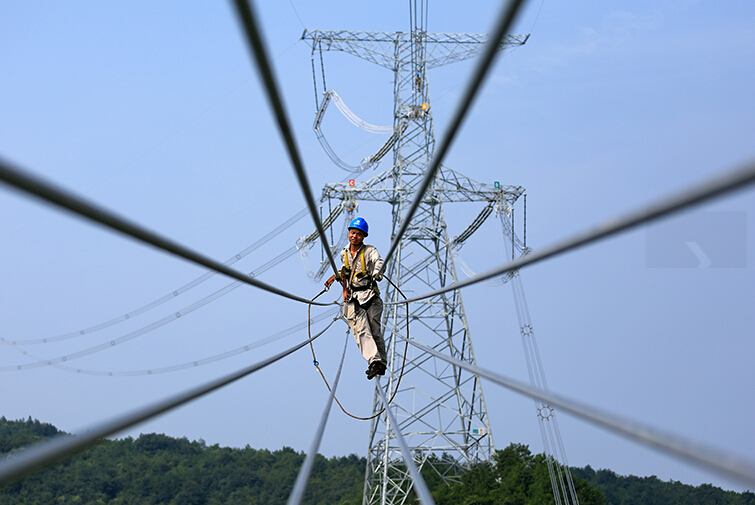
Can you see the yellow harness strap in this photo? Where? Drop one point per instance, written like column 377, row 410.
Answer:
column 346, row 262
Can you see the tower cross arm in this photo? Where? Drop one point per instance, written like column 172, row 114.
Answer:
column 381, row 47
column 363, row 192
column 449, row 186
column 445, row 48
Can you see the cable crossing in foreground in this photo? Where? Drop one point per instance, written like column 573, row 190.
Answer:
column 302, row 478
column 303, row 242
column 43, row 454
column 47, row 191
column 419, row 483
column 724, row 464
column 248, row 20
column 141, row 331
column 718, row 186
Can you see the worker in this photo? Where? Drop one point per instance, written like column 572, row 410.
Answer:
column 359, row 276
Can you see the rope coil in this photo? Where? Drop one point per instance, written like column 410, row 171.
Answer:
column 317, row 363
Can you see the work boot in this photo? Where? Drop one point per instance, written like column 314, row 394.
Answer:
column 376, row 368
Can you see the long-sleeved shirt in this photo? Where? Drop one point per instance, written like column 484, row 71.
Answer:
column 360, row 277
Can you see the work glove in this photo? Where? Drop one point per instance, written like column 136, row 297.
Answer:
column 330, row 281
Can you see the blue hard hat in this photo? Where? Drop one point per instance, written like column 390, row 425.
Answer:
column 360, row 224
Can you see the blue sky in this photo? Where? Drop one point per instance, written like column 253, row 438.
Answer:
column 154, row 110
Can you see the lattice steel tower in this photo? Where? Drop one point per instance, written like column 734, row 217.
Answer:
column 440, row 408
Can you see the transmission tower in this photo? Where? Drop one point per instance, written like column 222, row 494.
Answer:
column 440, row 408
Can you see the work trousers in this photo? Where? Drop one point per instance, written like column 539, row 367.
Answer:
column 365, row 325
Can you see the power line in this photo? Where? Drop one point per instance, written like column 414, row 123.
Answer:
column 170, row 296
column 297, row 14
column 245, row 11
column 560, row 474
column 145, row 329
column 722, row 463
column 41, row 362
column 173, row 294
column 419, row 483
column 306, row 469
column 305, row 187
column 43, row 454
column 57, row 363
column 44, row 190
column 505, row 20
column 716, row 187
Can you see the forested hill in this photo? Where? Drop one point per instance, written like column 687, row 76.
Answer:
column 633, row 490
column 157, row 469
column 15, row 434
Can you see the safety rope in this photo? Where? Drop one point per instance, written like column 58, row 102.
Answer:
column 403, row 364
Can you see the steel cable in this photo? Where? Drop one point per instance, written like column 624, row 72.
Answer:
column 45, row 453
column 718, row 186
column 186, row 287
column 169, row 296
column 141, row 331
column 306, row 469
column 44, row 190
column 419, row 483
column 601, row 233
column 724, row 464
column 248, row 20
column 57, row 363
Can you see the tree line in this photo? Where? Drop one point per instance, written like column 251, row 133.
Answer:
column 157, row 469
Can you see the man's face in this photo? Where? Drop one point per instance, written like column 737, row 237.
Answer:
column 356, row 237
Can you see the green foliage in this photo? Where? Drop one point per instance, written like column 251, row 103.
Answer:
column 515, row 478
column 156, row 469
column 630, row 490
column 17, row 434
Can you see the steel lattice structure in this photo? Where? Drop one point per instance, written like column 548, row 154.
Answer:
column 440, row 408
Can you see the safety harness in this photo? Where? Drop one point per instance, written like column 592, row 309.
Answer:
column 353, row 272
